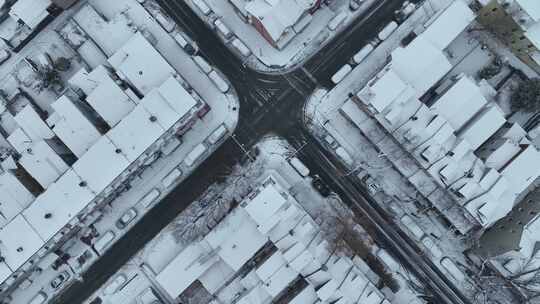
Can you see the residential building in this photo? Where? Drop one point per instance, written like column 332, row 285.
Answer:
column 517, row 24
column 268, row 250
column 59, row 169
column 278, row 21
column 452, row 131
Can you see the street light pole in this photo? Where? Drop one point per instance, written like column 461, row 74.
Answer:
column 246, row 152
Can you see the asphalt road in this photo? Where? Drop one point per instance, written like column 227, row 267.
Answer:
column 272, row 103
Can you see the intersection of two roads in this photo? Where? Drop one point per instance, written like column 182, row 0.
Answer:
column 272, row 103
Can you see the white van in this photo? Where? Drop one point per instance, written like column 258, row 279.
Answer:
column 387, row 30
column 223, row 29
column 195, row 154
column 40, row 298
column 337, row 21
column 150, row 198
column 220, row 83
column 241, row 47
column 217, row 134
column 202, row 64
column 170, row 178
column 104, row 241
column 339, row 75
column 362, row 54
column 299, row 166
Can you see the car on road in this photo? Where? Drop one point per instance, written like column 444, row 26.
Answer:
column 116, row 284
column 60, row 279
column 321, row 186
column 126, row 218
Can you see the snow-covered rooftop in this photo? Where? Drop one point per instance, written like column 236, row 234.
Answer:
column 141, row 64
column 18, row 242
column 42, row 162
column 236, row 239
column 15, row 197
column 382, row 92
column 54, row 208
column 135, row 133
column 420, row 64
column 189, row 265
column 482, row 126
column 101, row 164
column 32, row 124
column 460, row 103
column 72, row 126
column 452, row 21
column 265, row 204
column 103, row 94
column 30, row 12
column 519, row 171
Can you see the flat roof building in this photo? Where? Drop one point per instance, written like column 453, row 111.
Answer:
column 139, row 63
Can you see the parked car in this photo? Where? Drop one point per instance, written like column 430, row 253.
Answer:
column 116, row 284
column 321, row 186
column 331, row 141
column 150, row 198
column 341, row 73
column 104, row 241
column 299, row 166
column 39, row 298
column 186, row 43
column 126, row 218
column 165, row 21
column 60, row 279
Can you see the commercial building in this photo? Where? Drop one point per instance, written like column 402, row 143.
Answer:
column 59, row 169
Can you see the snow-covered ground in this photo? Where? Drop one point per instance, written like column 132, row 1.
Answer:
column 271, row 158
column 263, row 56
column 223, row 112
